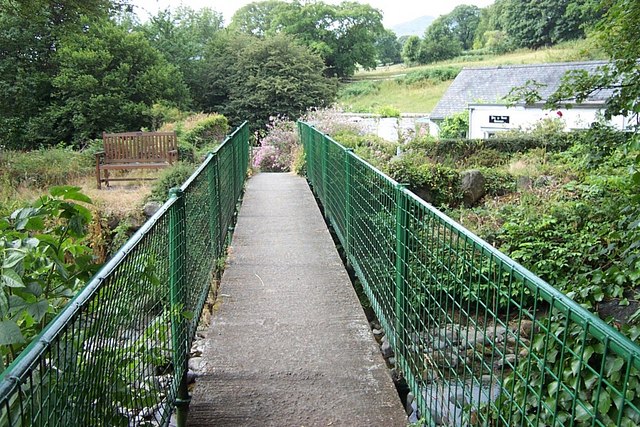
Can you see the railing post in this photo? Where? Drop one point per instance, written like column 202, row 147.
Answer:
column 214, row 201
column 177, row 302
column 402, row 222
column 348, row 179
column 324, row 150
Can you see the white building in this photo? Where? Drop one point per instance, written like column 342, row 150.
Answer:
column 482, row 91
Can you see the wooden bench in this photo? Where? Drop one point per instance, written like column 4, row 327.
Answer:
column 135, row 150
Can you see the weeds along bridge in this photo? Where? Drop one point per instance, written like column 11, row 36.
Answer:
column 478, row 339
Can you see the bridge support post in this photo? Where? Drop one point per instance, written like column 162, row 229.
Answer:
column 177, row 303
column 215, row 224
column 400, row 294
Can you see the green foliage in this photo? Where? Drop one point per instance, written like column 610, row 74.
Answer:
column 343, row 35
column 463, row 21
column 254, row 79
column 42, row 168
column 44, row 261
column 455, row 126
column 388, row 111
column 439, row 42
column 376, row 150
column 433, row 182
column 411, row 50
column 430, row 75
column 209, row 131
column 171, row 177
column 389, row 49
column 359, row 88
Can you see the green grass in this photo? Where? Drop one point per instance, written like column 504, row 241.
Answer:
column 381, row 87
column 408, row 99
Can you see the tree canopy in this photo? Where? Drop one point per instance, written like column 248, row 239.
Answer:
column 343, row 35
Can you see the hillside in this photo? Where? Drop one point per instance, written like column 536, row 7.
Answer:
column 415, row 27
column 402, row 88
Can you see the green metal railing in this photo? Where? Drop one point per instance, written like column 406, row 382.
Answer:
column 117, row 354
column 479, row 339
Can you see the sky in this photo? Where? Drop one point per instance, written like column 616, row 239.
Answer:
column 395, row 11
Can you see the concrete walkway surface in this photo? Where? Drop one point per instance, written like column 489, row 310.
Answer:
column 289, row 344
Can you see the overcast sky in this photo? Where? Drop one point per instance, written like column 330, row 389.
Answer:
column 395, row 11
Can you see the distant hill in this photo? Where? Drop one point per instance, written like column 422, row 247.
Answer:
column 414, row 27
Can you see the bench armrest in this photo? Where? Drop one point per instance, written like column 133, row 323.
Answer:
column 98, row 155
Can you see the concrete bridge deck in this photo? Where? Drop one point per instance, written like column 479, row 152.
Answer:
column 289, row 344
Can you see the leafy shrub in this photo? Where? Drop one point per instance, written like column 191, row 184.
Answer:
column 276, row 151
column 388, row 111
column 186, row 152
column 208, row 131
column 331, row 121
column 43, row 168
column 171, row 177
column 361, row 88
column 498, row 183
column 374, row 149
column 45, row 261
column 431, row 75
column 455, row 126
column 432, row 182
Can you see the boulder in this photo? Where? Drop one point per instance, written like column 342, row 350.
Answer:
column 473, row 187
column 150, row 208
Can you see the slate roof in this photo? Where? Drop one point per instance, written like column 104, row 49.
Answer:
column 490, row 85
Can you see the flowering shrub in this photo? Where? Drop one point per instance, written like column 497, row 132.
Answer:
column 276, row 151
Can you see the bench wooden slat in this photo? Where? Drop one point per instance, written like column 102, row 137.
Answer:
column 135, row 150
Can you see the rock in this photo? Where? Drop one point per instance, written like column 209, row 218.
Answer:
column 150, row 208
column 392, row 361
column 378, row 333
column 473, row 186
column 386, row 350
column 196, row 363
column 191, row 377
column 524, row 183
column 408, row 407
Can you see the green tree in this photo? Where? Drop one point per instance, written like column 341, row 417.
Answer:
column 30, row 36
column 182, row 36
column 411, row 50
column 463, row 22
column 389, row 48
column 256, row 78
column 343, row 35
column 491, row 20
column 440, row 42
column 538, row 23
column 257, row 18
column 108, row 79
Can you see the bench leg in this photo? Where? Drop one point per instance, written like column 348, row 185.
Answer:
column 99, row 182
column 106, row 177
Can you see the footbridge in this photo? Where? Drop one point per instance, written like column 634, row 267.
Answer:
column 472, row 337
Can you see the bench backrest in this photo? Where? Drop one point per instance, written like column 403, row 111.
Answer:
column 139, row 146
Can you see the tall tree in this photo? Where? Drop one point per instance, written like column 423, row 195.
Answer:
column 538, row 23
column 411, row 50
column 30, row 37
column 463, row 22
column 254, row 78
column 440, row 42
column 343, row 35
column 182, row 36
column 257, row 18
column 108, row 78
column 389, row 48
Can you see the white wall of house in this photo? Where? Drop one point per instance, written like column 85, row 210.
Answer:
column 486, row 120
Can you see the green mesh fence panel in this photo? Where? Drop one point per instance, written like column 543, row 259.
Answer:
column 479, row 339
column 117, row 354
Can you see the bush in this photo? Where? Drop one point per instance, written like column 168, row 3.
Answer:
column 430, row 75
column 455, row 126
column 361, row 88
column 498, row 183
column 432, row 182
column 389, row 111
column 374, row 149
column 276, row 151
column 208, row 131
column 171, row 177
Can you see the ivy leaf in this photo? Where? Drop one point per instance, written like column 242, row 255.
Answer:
column 604, row 404
column 4, row 304
column 11, row 279
column 10, row 333
column 15, row 256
